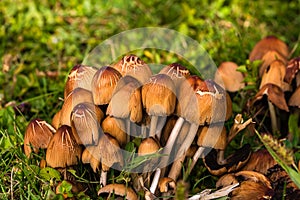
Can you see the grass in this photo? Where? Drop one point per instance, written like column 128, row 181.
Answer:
column 42, row 40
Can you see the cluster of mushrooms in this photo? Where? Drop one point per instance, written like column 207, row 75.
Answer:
column 177, row 116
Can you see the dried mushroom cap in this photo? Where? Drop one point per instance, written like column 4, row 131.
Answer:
column 194, row 93
column 126, row 100
column 228, row 76
column 270, row 57
column 63, row 150
column 38, row 135
column 260, row 161
column 78, row 95
column 116, row 128
column 165, row 184
column 234, row 162
column 269, row 43
column 119, row 189
column 275, row 96
column 85, row 123
column 158, row 95
column 213, row 136
column 292, row 69
column 134, row 66
column 275, row 74
column 176, row 72
column 295, row 98
column 79, row 77
column 103, row 84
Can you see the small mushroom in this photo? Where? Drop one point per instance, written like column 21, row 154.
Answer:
column 119, row 189
column 158, row 96
column 103, row 84
column 37, row 135
column 166, row 184
column 79, row 77
column 63, row 151
column 228, row 76
column 134, row 66
column 85, row 123
column 116, row 128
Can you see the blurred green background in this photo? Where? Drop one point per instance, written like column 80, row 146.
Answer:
column 42, row 40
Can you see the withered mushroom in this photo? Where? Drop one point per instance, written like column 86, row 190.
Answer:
column 119, row 189
column 292, row 69
column 63, row 151
column 37, row 135
column 158, row 97
column 103, row 84
column 295, row 98
column 85, row 123
column 228, row 76
column 134, row 66
column 79, row 77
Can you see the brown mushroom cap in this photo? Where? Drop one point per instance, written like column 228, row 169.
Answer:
column 63, row 150
column 228, row 76
column 116, row 128
column 134, row 66
column 38, row 134
column 270, row 57
column 85, row 123
column 203, row 102
column 87, row 157
column 158, row 95
column 148, row 146
column 213, row 136
column 119, row 189
column 56, row 120
column 78, row 95
column 79, row 77
column 126, row 100
column 292, row 69
column 165, row 184
column 103, row 84
column 295, row 98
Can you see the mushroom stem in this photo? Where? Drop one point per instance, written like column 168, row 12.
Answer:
column 196, row 156
column 182, row 150
column 160, row 125
column 273, row 117
column 103, row 178
column 153, row 124
column 155, row 180
column 128, row 130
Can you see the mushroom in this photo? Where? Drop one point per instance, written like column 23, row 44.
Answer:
column 269, row 43
column 166, row 184
column 227, row 75
column 56, row 120
column 79, row 77
column 78, row 95
column 103, row 84
column 85, row 123
column 292, row 69
column 37, row 135
column 134, row 66
column 63, row 151
column 116, row 128
column 295, row 98
column 158, row 97
column 126, row 101
column 119, row 189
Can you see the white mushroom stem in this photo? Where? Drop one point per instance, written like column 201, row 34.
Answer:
column 273, row 117
column 128, row 130
column 196, row 156
column 103, row 178
column 155, row 180
column 153, row 124
column 181, row 154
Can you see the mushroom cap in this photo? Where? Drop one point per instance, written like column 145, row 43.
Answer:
column 274, row 74
column 78, row 95
column 292, row 69
column 116, row 128
column 266, row 44
column 176, row 72
column 228, row 76
column 85, row 123
column 126, row 100
column 63, row 150
column 134, row 66
column 295, row 98
column 80, row 76
column 158, row 95
column 148, row 146
column 165, row 184
column 268, row 58
column 119, row 189
column 87, row 157
column 213, row 136
column 56, row 120
column 275, row 95
column 103, row 84
column 203, row 102
column 38, row 134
